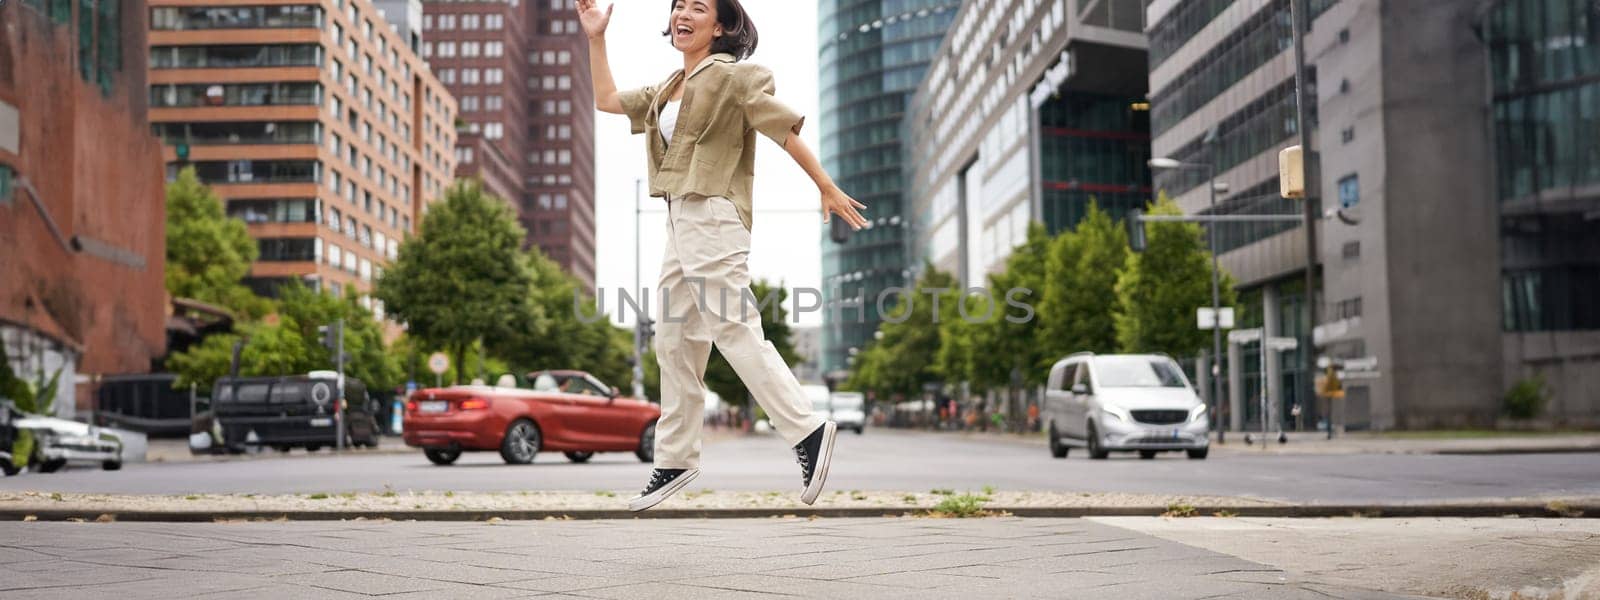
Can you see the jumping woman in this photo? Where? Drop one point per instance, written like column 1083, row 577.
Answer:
column 700, row 125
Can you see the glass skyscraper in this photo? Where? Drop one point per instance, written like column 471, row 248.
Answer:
column 872, row 56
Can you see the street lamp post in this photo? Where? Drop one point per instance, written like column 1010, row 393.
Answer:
column 638, row 327
column 1216, row 288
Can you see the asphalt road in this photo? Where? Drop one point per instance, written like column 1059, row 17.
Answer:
column 878, row 460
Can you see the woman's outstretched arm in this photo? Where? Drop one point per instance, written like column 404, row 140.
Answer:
column 834, row 200
column 594, row 26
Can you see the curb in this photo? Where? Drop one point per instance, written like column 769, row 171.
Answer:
column 1525, row 510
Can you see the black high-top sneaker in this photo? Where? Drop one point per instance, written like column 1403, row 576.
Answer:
column 814, row 453
column 663, row 484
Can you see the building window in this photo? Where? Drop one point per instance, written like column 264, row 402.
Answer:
column 1349, row 191
column 471, row 22
column 494, row 22
column 288, row 249
column 243, row 17
column 494, row 49
column 493, row 101
column 243, row 94
column 494, row 131
column 471, row 49
column 470, row 76
column 493, row 76
column 469, row 104
column 447, row 22
column 447, row 49
column 235, row 56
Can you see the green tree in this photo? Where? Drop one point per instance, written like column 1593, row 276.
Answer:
column 1078, row 310
column 208, row 253
column 906, row 356
column 368, row 360
column 1161, row 287
column 287, row 343
column 269, row 349
column 464, row 276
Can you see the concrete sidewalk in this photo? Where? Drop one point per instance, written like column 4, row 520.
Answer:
column 845, row 558
column 822, row 558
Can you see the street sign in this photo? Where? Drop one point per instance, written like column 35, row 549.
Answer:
column 1367, row 363
column 1347, row 375
column 438, row 363
column 1283, row 344
column 1207, row 317
column 1244, row 336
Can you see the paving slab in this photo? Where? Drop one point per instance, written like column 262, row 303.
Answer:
column 725, row 558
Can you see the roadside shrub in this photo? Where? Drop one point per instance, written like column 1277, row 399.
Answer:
column 1526, row 398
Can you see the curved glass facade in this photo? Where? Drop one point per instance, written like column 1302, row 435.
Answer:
column 872, row 56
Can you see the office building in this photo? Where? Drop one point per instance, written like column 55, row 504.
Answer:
column 520, row 75
column 82, row 206
column 316, row 122
column 871, row 57
column 1031, row 110
column 1454, row 143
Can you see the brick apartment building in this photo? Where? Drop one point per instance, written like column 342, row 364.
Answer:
column 315, row 120
column 519, row 72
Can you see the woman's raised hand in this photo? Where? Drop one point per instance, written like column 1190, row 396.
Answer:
column 594, row 20
column 836, row 202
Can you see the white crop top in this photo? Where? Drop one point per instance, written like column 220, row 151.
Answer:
column 669, row 120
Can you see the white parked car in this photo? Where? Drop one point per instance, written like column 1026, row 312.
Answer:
column 59, row 442
column 1123, row 402
column 848, row 409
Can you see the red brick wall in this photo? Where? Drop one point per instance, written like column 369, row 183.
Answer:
column 98, row 171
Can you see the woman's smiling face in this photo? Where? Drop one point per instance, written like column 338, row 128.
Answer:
column 694, row 26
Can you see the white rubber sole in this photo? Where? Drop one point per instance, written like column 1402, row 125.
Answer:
column 639, row 503
column 830, row 431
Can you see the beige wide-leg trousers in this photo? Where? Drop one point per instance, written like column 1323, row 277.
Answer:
column 703, row 300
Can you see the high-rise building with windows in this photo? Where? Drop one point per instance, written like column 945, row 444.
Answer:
column 1454, row 146
column 1031, row 110
column 82, row 212
column 316, row 122
column 872, row 54
column 519, row 72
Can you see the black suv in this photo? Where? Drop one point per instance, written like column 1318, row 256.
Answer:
column 286, row 412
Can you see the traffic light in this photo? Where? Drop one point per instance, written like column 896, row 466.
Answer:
column 329, row 334
column 1136, row 237
column 647, row 330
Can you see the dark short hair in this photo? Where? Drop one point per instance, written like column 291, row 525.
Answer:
column 739, row 35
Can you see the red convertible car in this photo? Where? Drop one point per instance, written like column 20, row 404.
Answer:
column 565, row 411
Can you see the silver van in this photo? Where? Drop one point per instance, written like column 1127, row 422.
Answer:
column 1123, row 403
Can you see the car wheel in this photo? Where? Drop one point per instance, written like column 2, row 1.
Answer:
column 51, row 466
column 283, row 448
column 9, row 468
column 861, row 430
column 111, row 465
column 313, row 448
column 1147, row 454
column 1095, row 451
column 579, row 457
column 521, row 442
column 647, row 445
column 442, row 457
column 1057, row 449
column 1199, row 454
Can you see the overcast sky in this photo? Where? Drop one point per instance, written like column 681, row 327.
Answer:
column 785, row 244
